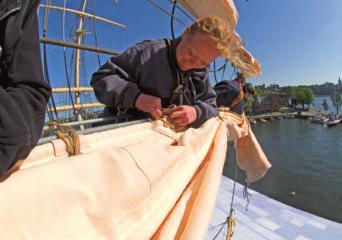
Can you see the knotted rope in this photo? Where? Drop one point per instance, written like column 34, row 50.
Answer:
column 69, row 136
column 168, row 122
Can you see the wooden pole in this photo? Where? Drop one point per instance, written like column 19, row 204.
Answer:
column 77, row 46
column 83, row 14
column 78, row 40
column 66, row 90
column 77, row 107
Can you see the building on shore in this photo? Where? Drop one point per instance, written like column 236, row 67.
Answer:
column 269, row 103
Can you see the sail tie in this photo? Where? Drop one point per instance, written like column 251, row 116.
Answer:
column 69, row 136
column 168, row 122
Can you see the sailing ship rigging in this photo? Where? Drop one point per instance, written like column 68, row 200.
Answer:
column 82, row 52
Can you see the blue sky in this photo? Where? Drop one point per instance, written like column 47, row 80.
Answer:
column 296, row 41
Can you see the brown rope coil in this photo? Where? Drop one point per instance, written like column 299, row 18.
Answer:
column 69, row 137
column 168, row 122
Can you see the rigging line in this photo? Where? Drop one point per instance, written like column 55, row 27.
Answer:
column 219, row 69
column 46, row 70
column 231, row 76
column 95, row 35
column 46, row 76
column 215, row 77
column 65, row 60
column 166, row 12
column 182, row 10
column 224, row 70
column 172, row 19
column 231, row 211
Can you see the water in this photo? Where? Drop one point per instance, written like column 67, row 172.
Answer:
column 306, row 159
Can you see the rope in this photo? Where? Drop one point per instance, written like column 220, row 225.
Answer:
column 231, row 219
column 69, row 137
column 246, row 195
column 168, row 122
column 65, row 61
column 95, row 35
column 245, row 192
column 172, row 19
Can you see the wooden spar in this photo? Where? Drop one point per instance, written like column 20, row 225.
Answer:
column 84, row 14
column 79, row 37
column 78, row 40
column 66, row 90
column 78, row 46
column 77, row 107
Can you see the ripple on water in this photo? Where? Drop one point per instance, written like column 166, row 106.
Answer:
column 307, row 159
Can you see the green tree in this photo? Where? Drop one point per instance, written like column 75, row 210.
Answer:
column 287, row 93
column 259, row 91
column 308, row 96
column 325, row 105
column 248, row 104
column 303, row 95
column 336, row 100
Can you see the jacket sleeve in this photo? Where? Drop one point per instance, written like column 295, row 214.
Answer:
column 23, row 97
column 205, row 103
column 115, row 83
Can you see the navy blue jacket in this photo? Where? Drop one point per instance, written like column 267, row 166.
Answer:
column 146, row 68
column 227, row 91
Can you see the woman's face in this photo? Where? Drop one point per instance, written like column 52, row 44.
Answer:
column 196, row 51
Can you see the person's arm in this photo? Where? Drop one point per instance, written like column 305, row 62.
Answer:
column 205, row 103
column 23, row 97
column 115, row 83
column 203, row 108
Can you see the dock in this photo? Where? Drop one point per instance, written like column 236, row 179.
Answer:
column 267, row 219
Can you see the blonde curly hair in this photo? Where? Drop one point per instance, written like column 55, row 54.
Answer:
column 215, row 28
column 227, row 41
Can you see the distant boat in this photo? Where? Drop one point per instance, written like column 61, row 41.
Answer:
column 333, row 122
column 320, row 119
column 263, row 120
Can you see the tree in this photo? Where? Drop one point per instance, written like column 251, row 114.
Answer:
column 287, row 93
column 336, row 100
column 303, row 95
column 325, row 105
column 308, row 96
column 248, row 104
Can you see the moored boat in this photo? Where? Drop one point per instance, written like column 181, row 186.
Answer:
column 320, row 119
column 333, row 122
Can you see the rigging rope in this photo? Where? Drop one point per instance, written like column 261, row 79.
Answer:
column 95, row 35
column 166, row 12
column 65, row 62
column 182, row 10
column 231, row 219
column 46, row 70
column 172, row 19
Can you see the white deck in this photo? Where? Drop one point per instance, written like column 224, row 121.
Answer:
column 269, row 219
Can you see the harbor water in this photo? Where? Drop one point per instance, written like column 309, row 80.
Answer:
column 306, row 168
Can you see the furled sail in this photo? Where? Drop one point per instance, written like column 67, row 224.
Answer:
column 225, row 9
column 143, row 181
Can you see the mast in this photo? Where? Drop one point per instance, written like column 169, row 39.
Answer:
column 77, row 44
column 78, row 40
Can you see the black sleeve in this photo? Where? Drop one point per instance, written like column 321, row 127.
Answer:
column 115, row 83
column 205, row 103
column 23, row 95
